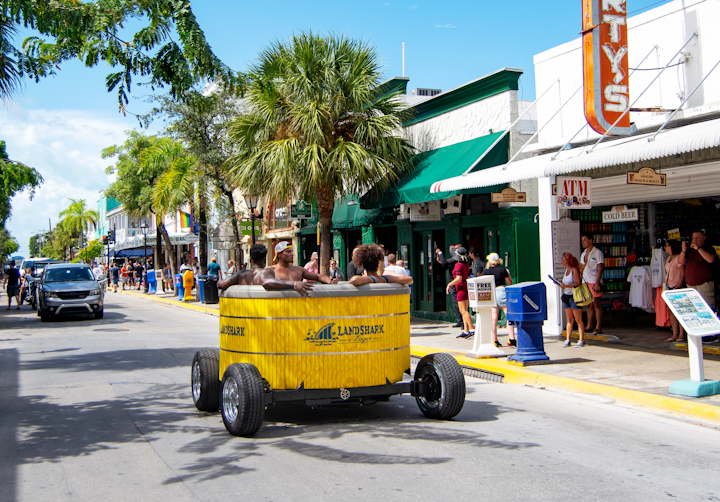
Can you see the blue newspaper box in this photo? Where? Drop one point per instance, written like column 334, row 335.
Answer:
column 201, row 287
column 179, row 287
column 527, row 309
column 152, row 281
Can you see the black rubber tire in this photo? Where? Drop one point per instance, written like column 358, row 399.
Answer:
column 243, row 400
column 446, row 393
column 44, row 317
column 205, row 384
column 99, row 314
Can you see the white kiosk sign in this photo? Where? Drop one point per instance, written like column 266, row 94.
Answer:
column 481, row 293
column 699, row 320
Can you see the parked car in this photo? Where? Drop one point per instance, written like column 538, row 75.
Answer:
column 69, row 288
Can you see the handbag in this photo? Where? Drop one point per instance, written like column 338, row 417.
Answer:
column 582, row 295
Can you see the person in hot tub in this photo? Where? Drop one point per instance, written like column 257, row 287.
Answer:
column 286, row 271
column 261, row 276
column 370, row 256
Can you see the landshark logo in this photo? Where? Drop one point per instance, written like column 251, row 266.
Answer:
column 323, row 336
column 327, row 335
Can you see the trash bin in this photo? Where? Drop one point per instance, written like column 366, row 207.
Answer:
column 179, row 286
column 211, row 289
column 202, row 279
column 152, row 282
column 527, row 309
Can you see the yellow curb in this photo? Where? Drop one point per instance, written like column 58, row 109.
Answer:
column 174, row 303
column 520, row 376
column 706, row 350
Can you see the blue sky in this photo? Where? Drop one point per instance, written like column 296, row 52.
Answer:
column 60, row 125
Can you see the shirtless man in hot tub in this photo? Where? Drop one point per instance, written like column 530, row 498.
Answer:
column 261, row 276
column 285, row 269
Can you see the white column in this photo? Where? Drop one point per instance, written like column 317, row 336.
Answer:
column 548, row 212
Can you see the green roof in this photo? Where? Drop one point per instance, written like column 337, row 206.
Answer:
column 440, row 164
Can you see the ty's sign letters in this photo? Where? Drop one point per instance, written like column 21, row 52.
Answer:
column 605, row 65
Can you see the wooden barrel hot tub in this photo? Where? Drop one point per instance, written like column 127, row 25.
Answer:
column 341, row 337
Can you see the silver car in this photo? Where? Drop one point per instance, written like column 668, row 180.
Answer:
column 69, row 288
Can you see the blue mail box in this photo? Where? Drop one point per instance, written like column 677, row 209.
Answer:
column 526, row 302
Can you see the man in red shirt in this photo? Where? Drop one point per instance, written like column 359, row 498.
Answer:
column 698, row 259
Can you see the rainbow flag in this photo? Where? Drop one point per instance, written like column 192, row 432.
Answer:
column 185, row 220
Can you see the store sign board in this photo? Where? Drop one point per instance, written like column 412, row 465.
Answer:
column 481, row 291
column 605, row 65
column 574, row 193
column 425, row 211
column 620, row 213
column 301, row 210
column 647, row 176
column 509, row 195
column 692, row 311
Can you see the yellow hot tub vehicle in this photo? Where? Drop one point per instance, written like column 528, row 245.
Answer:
column 342, row 345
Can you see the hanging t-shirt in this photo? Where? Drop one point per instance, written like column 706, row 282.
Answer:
column 591, row 260
column 657, row 267
column 641, row 295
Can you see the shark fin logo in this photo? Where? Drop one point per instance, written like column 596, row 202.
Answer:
column 323, row 336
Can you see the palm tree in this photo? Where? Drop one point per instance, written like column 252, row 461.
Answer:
column 77, row 218
column 181, row 182
column 10, row 59
column 317, row 128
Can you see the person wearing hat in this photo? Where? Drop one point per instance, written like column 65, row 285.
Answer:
column 259, row 275
column 502, row 277
column 214, row 269
column 312, row 265
column 460, row 272
column 286, row 271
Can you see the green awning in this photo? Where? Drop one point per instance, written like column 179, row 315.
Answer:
column 440, row 164
column 345, row 216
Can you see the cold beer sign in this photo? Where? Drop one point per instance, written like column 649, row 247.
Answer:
column 574, row 193
column 605, row 65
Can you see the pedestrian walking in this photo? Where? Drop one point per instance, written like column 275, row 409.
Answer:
column 124, row 277
column 12, row 285
column 502, row 278
column 231, row 268
column 449, row 266
column 674, row 279
column 592, row 264
column 573, row 313
column 115, row 276
column 460, row 272
column 167, row 278
column 138, row 269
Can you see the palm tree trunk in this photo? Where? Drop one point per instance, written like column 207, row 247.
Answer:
column 326, row 206
column 203, row 237
column 168, row 247
column 235, row 227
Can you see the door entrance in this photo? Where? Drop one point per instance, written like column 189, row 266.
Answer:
column 430, row 280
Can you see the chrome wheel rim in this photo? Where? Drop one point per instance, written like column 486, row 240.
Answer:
column 231, row 400
column 431, row 375
column 196, row 381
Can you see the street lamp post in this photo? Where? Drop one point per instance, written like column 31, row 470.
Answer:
column 251, row 201
column 144, row 228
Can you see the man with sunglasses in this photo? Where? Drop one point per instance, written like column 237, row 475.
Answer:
column 698, row 258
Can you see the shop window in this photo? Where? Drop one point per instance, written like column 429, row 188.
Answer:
column 278, row 216
column 479, row 204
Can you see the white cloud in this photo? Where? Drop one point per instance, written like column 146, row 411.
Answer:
column 64, row 146
column 449, row 25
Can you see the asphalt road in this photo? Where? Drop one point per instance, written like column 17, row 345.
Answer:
column 101, row 409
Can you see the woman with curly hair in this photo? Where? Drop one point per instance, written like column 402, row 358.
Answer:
column 370, row 256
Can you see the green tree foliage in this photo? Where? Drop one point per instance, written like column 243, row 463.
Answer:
column 91, row 251
column 200, row 122
column 77, row 218
column 136, row 178
column 8, row 244
column 58, row 244
column 317, row 128
column 34, row 245
column 14, row 178
column 92, row 32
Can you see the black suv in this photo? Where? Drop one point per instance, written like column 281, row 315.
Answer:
column 69, row 288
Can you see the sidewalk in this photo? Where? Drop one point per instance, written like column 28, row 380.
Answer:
column 630, row 368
